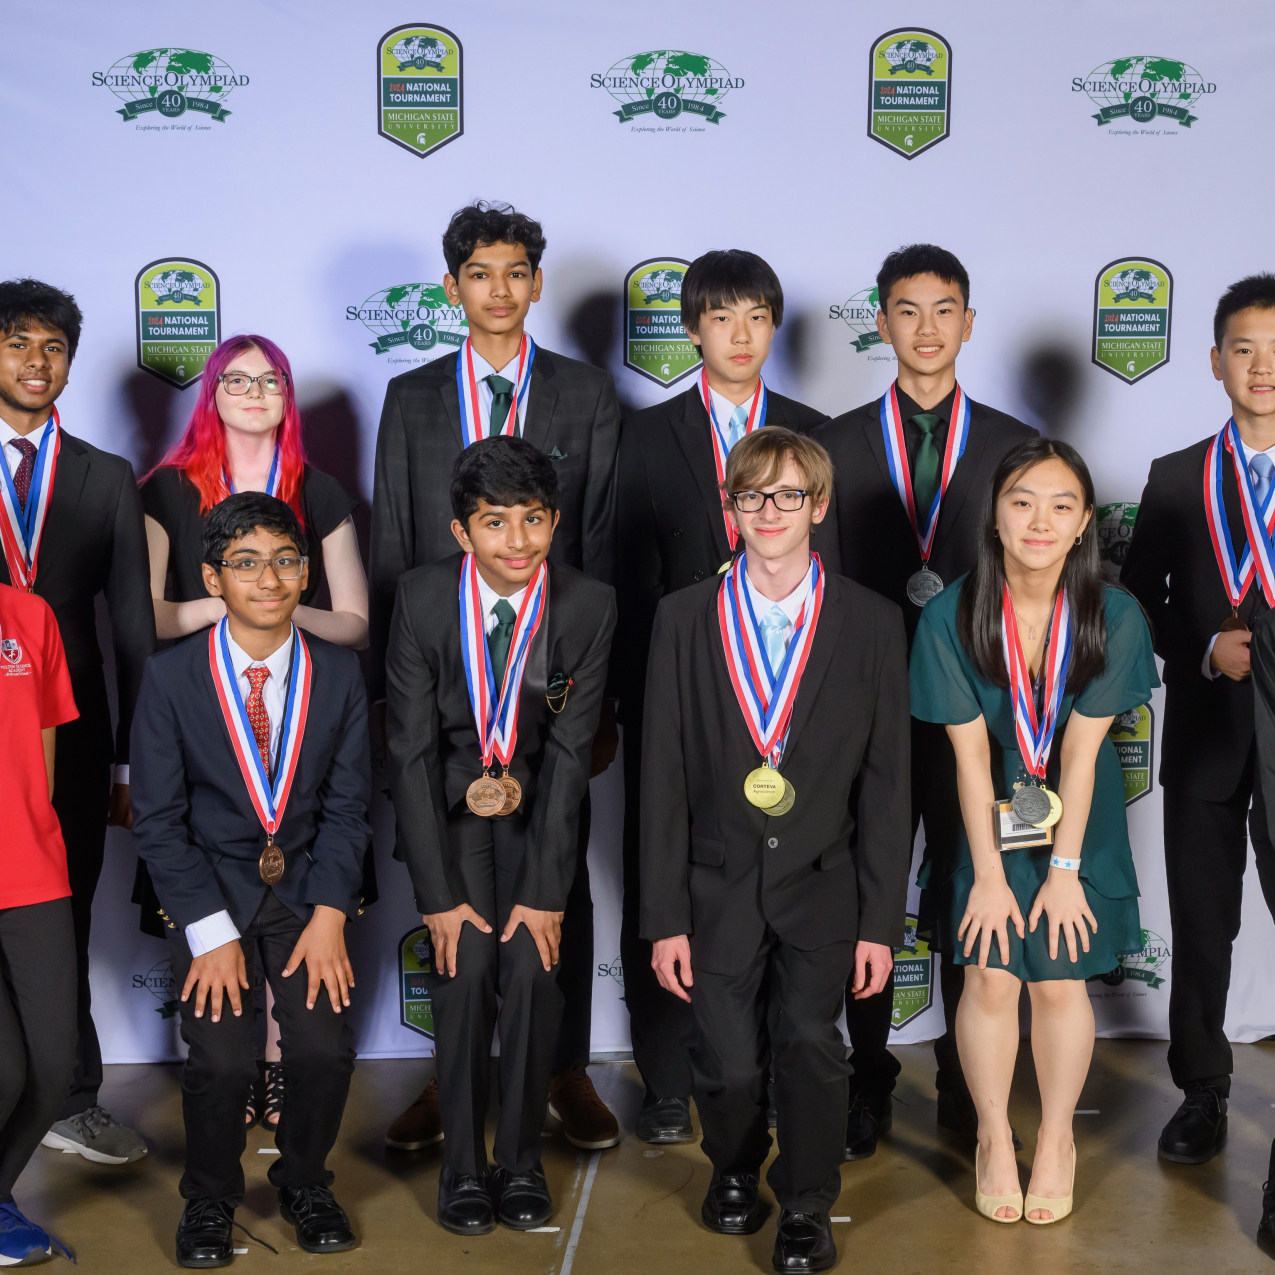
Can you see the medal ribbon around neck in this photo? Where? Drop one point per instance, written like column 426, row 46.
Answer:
column 272, row 479
column 1258, row 557
column 269, row 795
column 1035, row 737
column 496, row 709
column 21, row 529
column 896, row 452
column 473, row 424
column 721, row 439
column 765, row 695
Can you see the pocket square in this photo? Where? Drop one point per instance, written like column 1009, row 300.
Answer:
column 556, row 454
column 556, row 693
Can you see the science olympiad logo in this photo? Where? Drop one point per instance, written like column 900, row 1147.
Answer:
column 420, row 87
column 1143, row 966
column 1133, row 309
column 859, row 314
column 666, row 83
column 655, row 342
column 1142, row 89
column 411, row 317
column 178, row 318
column 171, row 82
column 909, row 90
column 1115, row 530
column 415, row 964
column 159, row 981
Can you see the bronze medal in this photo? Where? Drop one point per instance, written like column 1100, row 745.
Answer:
column 785, row 803
column 486, row 796
column 513, row 793
column 271, row 865
column 764, row 787
column 1233, row 624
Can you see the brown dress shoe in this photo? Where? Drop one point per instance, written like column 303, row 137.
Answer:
column 419, row 1126
column 587, row 1121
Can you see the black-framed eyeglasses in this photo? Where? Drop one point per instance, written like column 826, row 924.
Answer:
column 286, row 567
column 751, row 502
column 240, row 382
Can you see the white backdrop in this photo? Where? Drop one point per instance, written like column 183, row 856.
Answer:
column 305, row 213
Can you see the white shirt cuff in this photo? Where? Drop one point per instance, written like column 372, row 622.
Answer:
column 1206, row 668
column 119, row 774
column 210, row 932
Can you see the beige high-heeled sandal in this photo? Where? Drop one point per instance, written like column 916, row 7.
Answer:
column 1058, row 1207
column 988, row 1204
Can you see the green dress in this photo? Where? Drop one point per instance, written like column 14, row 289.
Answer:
column 947, row 689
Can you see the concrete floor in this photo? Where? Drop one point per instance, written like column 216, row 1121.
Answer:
column 636, row 1209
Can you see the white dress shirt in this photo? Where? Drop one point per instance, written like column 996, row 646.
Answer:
column 724, row 409
column 790, row 606
column 489, row 597
column 214, row 930
column 510, row 372
column 13, row 455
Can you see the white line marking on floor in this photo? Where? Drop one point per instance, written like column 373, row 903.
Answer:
column 1096, row 1112
column 542, row 1230
column 581, row 1209
column 267, row 1150
column 839, row 1219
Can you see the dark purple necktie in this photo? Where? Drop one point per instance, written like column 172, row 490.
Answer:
column 22, row 479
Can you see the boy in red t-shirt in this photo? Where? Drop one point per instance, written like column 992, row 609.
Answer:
column 37, row 941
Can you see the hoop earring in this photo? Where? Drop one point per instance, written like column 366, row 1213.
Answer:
column 1077, row 539
column 996, row 532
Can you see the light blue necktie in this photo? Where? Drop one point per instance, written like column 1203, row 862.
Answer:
column 738, row 423
column 1261, row 469
column 772, row 625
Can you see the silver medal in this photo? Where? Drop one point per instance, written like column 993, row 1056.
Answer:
column 923, row 585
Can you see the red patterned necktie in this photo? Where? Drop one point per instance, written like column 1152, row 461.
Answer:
column 257, row 714
column 26, row 467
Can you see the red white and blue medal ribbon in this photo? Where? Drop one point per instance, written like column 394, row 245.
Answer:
column 269, row 794
column 721, row 439
column 496, row 708
column 1258, row 557
column 272, row 479
column 1036, row 735
column 765, row 695
column 474, row 423
column 21, row 529
column 923, row 522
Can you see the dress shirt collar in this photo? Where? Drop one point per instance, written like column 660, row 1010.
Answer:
column 724, row 409
column 908, row 407
column 278, row 662
column 8, row 433
column 1250, row 452
column 790, row 606
column 489, row 597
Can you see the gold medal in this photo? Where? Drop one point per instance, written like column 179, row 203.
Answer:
column 486, row 796
column 764, row 787
column 1055, row 810
column 271, row 865
column 513, row 793
column 785, row 803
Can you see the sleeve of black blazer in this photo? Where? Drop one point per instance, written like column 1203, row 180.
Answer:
column 598, row 532
column 549, row 862
column 1262, row 648
column 1152, row 550
column 183, row 877
column 343, row 832
column 665, row 855
column 416, row 770
column 884, row 840
column 393, row 532
column 128, row 601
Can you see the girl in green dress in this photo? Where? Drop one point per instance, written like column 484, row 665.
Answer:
column 1026, row 661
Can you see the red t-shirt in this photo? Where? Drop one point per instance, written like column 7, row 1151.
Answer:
column 35, row 693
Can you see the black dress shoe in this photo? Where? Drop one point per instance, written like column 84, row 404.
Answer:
column 320, row 1222
column 804, row 1243
column 663, row 1120
column 1266, row 1227
column 464, row 1203
column 1198, row 1128
column 871, row 1115
column 731, row 1206
column 522, row 1199
column 203, row 1234
column 957, row 1115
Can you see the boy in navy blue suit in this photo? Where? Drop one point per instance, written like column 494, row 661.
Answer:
column 250, row 789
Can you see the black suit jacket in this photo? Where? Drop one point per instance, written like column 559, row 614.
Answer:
column 572, row 415
column 670, row 529
column 195, row 824
column 873, row 541
column 1172, row 570
column 95, row 542
column 434, row 753
column 836, row 866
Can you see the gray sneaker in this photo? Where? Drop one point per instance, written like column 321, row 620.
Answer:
column 96, row 1135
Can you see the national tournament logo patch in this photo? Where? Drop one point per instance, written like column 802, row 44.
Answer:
column 656, row 344
column 910, row 88
column 415, row 964
column 1133, row 307
column 1142, row 89
column 913, row 977
column 414, row 318
column 666, row 83
column 170, row 82
column 1132, row 733
column 420, row 88
column 178, row 306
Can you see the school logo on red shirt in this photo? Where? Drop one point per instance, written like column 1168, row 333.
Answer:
column 10, row 649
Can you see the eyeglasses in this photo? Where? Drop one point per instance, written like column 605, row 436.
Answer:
column 247, row 570
column 239, row 383
column 751, row 502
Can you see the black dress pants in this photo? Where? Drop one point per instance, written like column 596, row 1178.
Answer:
column 1205, row 854
column 37, row 1027
column 575, row 959
column 317, row 1047
column 779, row 1015
column 488, row 854
column 661, row 1025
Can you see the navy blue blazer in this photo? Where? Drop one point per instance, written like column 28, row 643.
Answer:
column 195, row 824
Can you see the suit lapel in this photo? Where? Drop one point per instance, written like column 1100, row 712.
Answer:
column 822, row 649
column 963, row 476
column 876, row 443
column 451, row 404
column 63, row 524
column 693, row 437
column 542, row 399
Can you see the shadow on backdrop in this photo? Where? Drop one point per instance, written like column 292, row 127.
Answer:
column 151, row 403
column 1050, row 385
column 330, row 427
column 593, row 323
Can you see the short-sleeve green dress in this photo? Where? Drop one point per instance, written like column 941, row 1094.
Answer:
column 946, row 688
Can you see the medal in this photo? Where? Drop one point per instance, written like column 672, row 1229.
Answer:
column 22, row 529
column 472, row 425
column 1033, row 803
column 496, row 708
column 721, row 445
column 1259, row 553
column 269, row 795
column 924, row 584
column 766, row 695
column 1233, row 624
column 272, row 479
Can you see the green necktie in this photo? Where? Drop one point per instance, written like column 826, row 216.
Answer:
column 501, row 400
column 499, row 638
column 925, row 473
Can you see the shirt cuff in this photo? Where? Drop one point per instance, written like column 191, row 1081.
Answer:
column 119, row 775
column 1206, row 668
column 210, row 932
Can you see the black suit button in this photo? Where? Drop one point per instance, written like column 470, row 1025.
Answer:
column 699, row 575
column 677, row 531
column 772, row 842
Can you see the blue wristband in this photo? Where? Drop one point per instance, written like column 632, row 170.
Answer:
column 1069, row 865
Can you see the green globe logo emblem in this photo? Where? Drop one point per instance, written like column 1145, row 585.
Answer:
column 176, row 286
column 1142, row 87
column 661, row 285
column 420, row 51
column 910, row 56
column 667, row 82
column 417, row 315
column 1134, row 285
